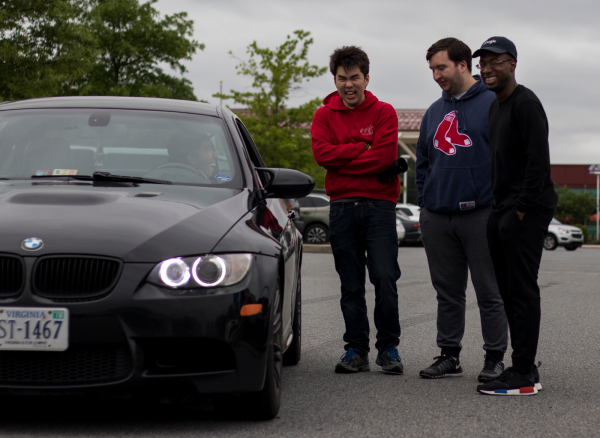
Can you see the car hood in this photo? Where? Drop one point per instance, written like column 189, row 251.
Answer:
column 134, row 222
column 571, row 228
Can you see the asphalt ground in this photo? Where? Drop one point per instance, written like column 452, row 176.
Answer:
column 319, row 403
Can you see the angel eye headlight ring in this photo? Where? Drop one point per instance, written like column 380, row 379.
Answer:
column 218, row 262
column 174, row 272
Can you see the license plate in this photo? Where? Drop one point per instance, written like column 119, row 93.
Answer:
column 34, row 328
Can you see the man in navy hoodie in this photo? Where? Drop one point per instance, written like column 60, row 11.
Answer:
column 455, row 195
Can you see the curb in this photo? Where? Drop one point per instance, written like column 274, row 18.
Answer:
column 591, row 246
column 317, row 249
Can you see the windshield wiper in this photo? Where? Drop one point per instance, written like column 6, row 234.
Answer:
column 105, row 176
column 80, row 177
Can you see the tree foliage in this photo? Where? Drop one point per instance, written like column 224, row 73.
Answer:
column 133, row 42
column 44, row 47
column 574, row 207
column 281, row 134
column 92, row 47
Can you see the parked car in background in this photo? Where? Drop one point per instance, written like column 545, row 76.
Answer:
column 400, row 231
column 567, row 236
column 314, row 210
column 412, row 230
column 411, row 210
column 294, row 205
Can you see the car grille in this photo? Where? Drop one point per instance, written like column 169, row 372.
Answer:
column 576, row 236
column 75, row 277
column 11, row 275
column 79, row 365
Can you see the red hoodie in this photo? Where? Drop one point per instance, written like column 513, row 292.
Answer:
column 338, row 136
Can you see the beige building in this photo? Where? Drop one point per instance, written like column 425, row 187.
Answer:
column 409, row 124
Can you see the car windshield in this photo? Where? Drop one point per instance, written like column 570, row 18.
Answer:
column 181, row 148
column 555, row 222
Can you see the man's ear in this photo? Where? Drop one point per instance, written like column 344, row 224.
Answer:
column 191, row 159
column 367, row 79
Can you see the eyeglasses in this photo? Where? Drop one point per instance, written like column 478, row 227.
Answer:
column 483, row 65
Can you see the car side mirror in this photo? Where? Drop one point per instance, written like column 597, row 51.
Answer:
column 286, row 183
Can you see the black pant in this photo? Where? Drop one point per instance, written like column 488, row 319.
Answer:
column 516, row 248
column 356, row 227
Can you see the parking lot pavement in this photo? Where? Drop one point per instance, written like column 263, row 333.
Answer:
column 318, row 403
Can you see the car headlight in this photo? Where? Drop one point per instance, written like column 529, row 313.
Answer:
column 202, row 271
column 174, row 272
column 562, row 230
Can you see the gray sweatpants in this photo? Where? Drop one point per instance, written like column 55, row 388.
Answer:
column 456, row 243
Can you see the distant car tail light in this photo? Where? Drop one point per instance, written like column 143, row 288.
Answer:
column 416, row 225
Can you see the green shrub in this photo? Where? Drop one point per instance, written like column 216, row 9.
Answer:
column 585, row 231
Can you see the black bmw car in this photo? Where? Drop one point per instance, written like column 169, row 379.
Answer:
column 144, row 247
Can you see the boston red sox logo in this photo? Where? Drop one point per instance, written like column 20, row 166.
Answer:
column 447, row 136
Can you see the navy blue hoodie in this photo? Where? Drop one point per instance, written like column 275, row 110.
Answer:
column 453, row 156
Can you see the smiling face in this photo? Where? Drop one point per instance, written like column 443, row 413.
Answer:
column 449, row 76
column 497, row 76
column 351, row 84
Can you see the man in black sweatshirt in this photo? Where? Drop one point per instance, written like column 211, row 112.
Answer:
column 524, row 203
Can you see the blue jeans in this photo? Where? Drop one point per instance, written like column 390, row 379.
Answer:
column 356, row 227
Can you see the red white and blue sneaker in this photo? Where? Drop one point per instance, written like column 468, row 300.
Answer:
column 510, row 382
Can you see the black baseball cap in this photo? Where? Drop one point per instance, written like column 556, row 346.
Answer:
column 497, row 44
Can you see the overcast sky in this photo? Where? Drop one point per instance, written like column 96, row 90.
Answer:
column 558, row 44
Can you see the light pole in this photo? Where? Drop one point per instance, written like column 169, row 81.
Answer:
column 406, row 157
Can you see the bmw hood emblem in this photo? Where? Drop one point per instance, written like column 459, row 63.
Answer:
column 32, row 244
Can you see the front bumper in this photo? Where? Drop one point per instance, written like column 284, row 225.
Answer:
column 142, row 336
column 573, row 240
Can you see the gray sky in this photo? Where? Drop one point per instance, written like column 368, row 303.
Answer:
column 558, row 43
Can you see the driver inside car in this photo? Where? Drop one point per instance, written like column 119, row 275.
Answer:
column 191, row 160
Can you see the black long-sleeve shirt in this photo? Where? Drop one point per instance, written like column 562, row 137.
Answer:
column 521, row 155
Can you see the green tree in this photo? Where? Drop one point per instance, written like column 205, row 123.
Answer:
column 44, row 47
column 133, row 43
column 281, row 134
column 574, row 207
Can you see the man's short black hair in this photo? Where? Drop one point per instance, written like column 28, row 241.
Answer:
column 457, row 51
column 349, row 56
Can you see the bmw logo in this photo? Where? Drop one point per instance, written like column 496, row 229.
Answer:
column 32, row 244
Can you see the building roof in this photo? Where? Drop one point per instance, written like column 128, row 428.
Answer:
column 408, row 119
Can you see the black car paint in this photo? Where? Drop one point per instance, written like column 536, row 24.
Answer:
column 111, row 219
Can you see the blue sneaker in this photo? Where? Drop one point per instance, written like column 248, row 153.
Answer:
column 389, row 361
column 351, row 362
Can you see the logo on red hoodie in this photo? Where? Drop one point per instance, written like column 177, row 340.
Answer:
column 447, row 135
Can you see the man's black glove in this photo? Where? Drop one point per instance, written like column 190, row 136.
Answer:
column 396, row 168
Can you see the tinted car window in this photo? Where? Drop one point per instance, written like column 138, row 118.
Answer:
column 406, row 211
column 320, row 202
column 182, row 148
column 306, row 202
column 401, row 215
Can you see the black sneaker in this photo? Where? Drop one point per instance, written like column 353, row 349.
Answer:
column 510, row 382
column 491, row 369
column 389, row 361
column 351, row 362
column 444, row 366
column 536, row 377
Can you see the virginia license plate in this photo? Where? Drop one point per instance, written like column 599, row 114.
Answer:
column 34, row 328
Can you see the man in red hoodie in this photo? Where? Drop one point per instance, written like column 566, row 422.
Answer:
column 355, row 137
